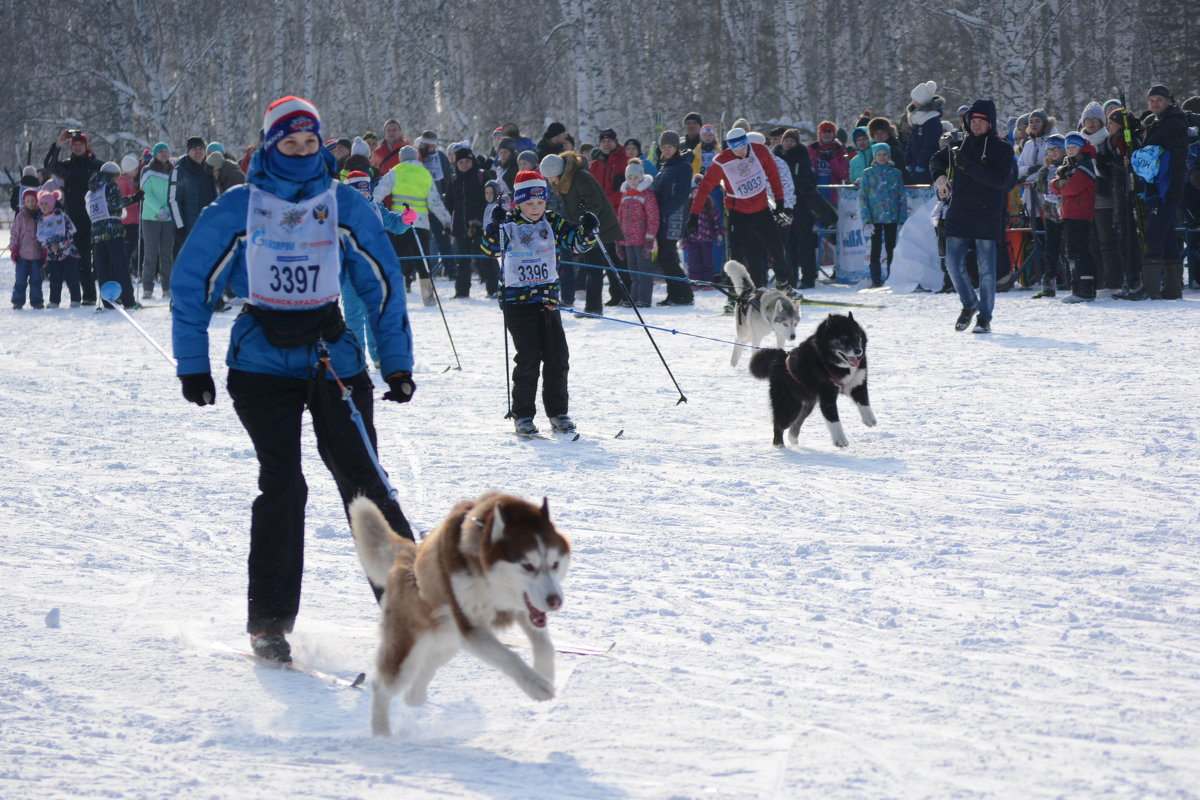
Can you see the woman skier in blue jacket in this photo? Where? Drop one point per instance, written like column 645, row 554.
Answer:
column 283, row 241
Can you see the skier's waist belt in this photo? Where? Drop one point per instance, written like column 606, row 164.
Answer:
column 527, row 294
column 288, row 329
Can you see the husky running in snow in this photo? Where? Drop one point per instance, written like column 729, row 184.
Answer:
column 831, row 362
column 493, row 561
column 759, row 312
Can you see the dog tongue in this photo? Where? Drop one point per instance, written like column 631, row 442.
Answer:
column 851, row 360
column 537, row 618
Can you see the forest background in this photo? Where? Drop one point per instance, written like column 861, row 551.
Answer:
column 133, row 72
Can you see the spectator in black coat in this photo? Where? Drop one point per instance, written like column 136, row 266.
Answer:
column 76, row 171
column 192, row 188
column 466, row 203
column 801, row 240
column 1162, row 268
column 974, row 178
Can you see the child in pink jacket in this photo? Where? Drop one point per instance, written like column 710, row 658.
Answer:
column 26, row 252
column 638, row 215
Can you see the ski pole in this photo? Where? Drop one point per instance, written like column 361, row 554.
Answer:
column 111, row 291
column 629, row 298
column 357, row 418
column 504, row 314
column 433, row 287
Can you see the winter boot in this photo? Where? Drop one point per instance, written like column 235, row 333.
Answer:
column 271, row 647
column 526, row 428
column 562, row 424
column 426, row 287
column 1172, row 278
column 1048, row 288
column 1152, row 275
column 964, row 319
column 982, row 325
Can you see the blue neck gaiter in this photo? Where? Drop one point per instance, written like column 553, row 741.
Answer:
column 296, row 169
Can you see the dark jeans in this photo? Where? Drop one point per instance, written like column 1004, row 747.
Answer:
column 1106, row 250
column 883, row 231
column 112, row 266
column 754, row 237
column 405, row 246
column 133, row 250
column 1054, row 248
column 271, row 408
column 802, row 242
column 538, row 342
column 1083, row 268
column 679, row 292
column 83, row 243
column 1161, row 241
column 593, row 278
column 485, row 267
column 28, row 274
column 64, row 269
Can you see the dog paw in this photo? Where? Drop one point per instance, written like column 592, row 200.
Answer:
column 837, row 434
column 868, row 416
column 538, row 688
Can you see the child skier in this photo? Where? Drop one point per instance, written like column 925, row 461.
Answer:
column 104, row 207
column 527, row 242
column 56, row 234
column 638, row 213
column 398, row 224
column 883, row 204
column 26, row 252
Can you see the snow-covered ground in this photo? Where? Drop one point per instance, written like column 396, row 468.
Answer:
column 994, row 593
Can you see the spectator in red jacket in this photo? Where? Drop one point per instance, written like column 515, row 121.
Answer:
column 1075, row 182
column 387, row 155
column 608, row 165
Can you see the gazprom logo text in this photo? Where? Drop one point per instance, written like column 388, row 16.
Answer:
column 259, row 239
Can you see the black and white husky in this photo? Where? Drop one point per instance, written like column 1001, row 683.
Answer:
column 832, row 361
column 759, row 311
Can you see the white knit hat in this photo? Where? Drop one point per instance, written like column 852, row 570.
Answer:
column 129, row 164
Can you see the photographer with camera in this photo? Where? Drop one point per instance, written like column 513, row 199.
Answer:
column 974, row 177
column 76, row 171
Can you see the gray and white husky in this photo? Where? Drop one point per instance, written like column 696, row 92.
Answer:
column 493, row 561
column 759, row 311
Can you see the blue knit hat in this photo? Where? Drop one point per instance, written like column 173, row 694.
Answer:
column 215, row 147
column 881, row 146
column 1075, row 138
column 158, row 148
column 1056, row 140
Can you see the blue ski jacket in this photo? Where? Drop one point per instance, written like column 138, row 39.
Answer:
column 214, row 256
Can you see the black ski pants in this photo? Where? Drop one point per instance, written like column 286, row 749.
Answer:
column 405, row 247
column 538, row 343
column 755, row 236
column 271, row 408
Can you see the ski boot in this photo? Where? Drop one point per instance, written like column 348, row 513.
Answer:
column 526, row 428
column 562, row 424
column 271, row 647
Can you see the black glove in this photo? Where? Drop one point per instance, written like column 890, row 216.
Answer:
column 693, row 224
column 198, row 388
column 589, row 222
column 783, row 217
column 499, row 215
column 401, row 387
column 138, row 195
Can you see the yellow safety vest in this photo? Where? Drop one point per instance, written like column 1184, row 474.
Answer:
column 412, row 186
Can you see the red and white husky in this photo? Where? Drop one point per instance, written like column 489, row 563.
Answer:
column 493, row 561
